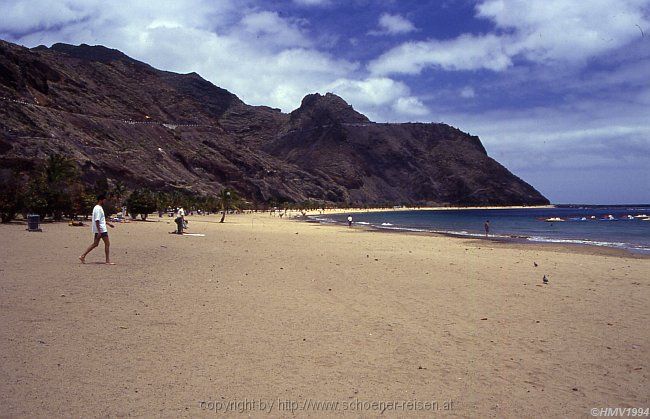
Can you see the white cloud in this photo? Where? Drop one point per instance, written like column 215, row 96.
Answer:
column 372, row 91
column 393, row 24
column 21, row 17
column 466, row 52
column 543, row 31
column 270, row 26
column 377, row 97
column 260, row 56
column 566, row 31
column 33, row 16
column 264, row 58
column 410, row 106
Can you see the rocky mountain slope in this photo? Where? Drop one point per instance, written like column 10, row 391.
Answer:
column 123, row 119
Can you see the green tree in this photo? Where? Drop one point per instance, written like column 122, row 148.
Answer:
column 101, row 186
column 118, row 192
column 35, row 197
column 60, row 175
column 163, row 201
column 82, row 201
column 211, row 204
column 176, row 199
column 141, row 201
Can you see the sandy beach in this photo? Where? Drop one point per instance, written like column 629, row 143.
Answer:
column 329, row 211
column 269, row 317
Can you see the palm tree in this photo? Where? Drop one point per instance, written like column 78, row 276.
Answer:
column 59, row 169
column 227, row 198
column 118, row 192
column 60, row 174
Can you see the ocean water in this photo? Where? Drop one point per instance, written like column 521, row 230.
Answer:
column 616, row 226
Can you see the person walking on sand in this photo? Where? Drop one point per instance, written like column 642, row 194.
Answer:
column 99, row 230
column 486, row 226
column 349, row 221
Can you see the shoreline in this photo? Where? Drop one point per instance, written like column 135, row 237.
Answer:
column 513, row 240
column 508, row 240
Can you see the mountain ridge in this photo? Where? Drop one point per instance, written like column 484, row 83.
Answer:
column 124, row 119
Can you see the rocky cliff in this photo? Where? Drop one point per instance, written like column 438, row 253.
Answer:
column 125, row 120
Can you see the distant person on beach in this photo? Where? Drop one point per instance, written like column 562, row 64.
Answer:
column 486, row 226
column 180, row 220
column 99, row 230
column 179, row 225
column 349, row 221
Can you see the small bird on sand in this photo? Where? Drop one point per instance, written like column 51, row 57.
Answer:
column 535, row 264
column 545, row 279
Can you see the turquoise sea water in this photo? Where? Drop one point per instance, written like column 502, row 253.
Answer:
column 616, row 226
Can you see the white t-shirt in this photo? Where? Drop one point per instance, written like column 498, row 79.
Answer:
column 98, row 215
column 350, row 218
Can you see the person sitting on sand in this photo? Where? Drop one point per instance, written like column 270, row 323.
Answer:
column 99, row 230
column 180, row 221
column 179, row 225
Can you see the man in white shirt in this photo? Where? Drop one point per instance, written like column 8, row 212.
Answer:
column 99, row 230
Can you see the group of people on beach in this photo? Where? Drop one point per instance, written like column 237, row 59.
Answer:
column 100, row 231
column 99, row 227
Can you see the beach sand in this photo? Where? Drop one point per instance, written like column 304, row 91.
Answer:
column 293, row 313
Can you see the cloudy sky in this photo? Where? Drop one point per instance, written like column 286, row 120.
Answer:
column 558, row 90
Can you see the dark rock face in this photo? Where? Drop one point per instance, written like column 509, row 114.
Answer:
column 121, row 118
column 317, row 110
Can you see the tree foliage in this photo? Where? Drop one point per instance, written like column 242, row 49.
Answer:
column 54, row 188
column 60, row 177
column 118, row 192
column 141, row 201
column 11, row 195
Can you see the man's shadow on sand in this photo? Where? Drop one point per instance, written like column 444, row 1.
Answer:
column 98, row 263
